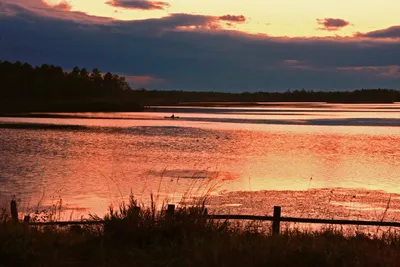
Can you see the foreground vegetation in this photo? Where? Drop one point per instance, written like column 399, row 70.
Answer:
column 152, row 238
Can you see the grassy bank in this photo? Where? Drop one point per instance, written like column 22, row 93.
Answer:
column 152, row 238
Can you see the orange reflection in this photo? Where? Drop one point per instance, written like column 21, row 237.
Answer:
column 206, row 151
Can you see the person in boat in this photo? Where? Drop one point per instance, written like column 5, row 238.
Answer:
column 172, row 117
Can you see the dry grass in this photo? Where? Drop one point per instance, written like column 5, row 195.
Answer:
column 150, row 237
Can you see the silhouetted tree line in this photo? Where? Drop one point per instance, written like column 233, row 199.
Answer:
column 48, row 87
column 357, row 96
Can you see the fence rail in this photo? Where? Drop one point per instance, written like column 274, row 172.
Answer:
column 276, row 219
column 304, row 220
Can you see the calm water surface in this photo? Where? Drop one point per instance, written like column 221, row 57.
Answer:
column 313, row 159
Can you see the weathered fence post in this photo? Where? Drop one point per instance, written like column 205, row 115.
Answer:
column 276, row 223
column 14, row 211
column 170, row 211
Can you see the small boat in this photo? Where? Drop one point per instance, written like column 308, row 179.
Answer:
column 171, row 117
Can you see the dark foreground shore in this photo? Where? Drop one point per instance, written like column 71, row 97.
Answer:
column 151, row 238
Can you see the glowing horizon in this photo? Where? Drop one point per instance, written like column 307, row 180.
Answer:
column 290, row 18
column 317, row 46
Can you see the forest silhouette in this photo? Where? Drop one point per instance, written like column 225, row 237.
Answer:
column 25, row 88
column 51, row 88
column 207, row 98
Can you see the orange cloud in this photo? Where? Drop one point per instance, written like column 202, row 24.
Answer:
column 332, row 24
column 388, row 72
column 143, row 80
column 138, row 4
column 233, row 18
column 63, row 5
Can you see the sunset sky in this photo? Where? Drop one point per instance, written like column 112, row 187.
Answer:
column 215, row 45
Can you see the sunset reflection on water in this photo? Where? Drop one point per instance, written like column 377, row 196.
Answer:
column 291, row 155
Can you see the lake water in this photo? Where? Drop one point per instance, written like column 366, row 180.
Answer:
column 313, row 159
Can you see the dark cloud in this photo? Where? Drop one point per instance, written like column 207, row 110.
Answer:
column 183, row 51
column 331, row 24
column 391, row 32
column 233, row 18
column 138, row 4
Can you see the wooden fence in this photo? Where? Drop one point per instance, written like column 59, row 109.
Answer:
column 276, row 219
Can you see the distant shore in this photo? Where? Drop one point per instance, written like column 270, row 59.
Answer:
column 266, row 103
column 50, row 88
